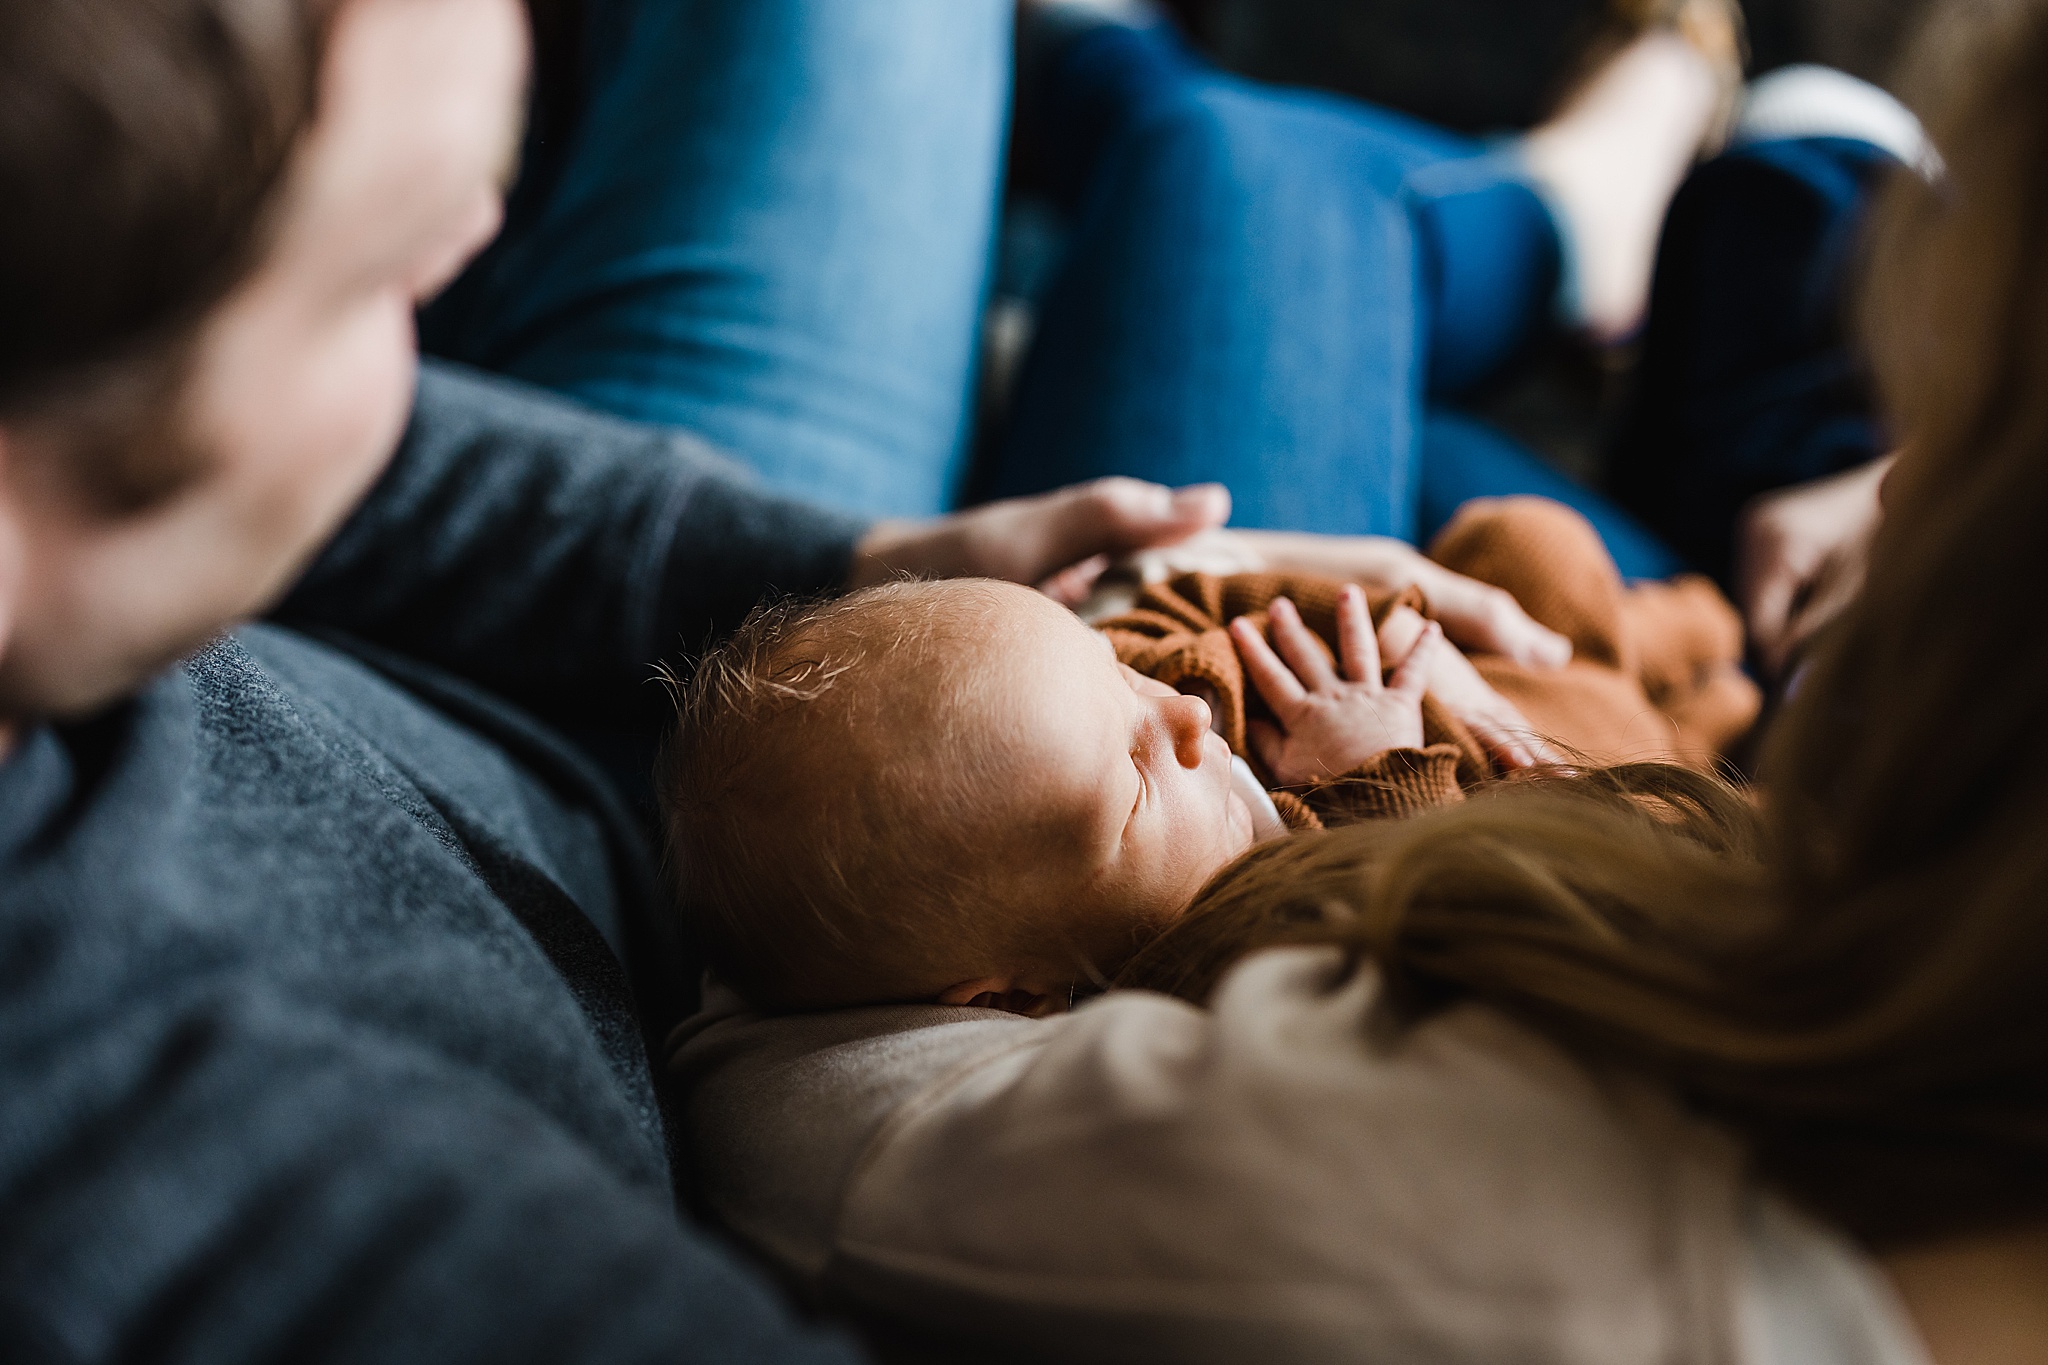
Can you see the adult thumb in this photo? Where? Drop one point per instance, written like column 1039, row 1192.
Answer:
column 1122, row 516
column 1134, row 515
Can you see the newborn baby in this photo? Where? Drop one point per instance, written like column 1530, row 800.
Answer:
column 958, row 792
column 955, row 792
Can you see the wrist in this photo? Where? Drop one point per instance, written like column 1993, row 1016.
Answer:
column 886, row 550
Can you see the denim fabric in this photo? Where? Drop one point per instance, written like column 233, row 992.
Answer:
column 1464, row 458
column 1264, row 289
column 1748, row 381
column 1240, row 305
column 1287, row 293
column 771, row 225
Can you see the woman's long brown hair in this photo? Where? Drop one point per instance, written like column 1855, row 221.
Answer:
column 1855, row 976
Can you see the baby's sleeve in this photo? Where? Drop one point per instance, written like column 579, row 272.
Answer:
column 1390, row 786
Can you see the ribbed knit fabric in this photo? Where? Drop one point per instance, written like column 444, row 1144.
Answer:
column 1655, row 674
column 1391, row 786
column 1178, row 633
column 1656, row 670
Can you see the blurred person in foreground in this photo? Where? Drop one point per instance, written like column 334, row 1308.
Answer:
column 1615, row 1068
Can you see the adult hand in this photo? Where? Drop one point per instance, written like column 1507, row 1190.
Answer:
column 1059, row 542
column 1332, row 720
column 1801, row 555
column 1476, row 615
column 1062, row 542
column 1497, row 723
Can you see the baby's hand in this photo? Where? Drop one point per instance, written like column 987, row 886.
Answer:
column 1329, row 724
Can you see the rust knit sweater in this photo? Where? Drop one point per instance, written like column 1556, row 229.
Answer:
column 1654, row 676
column 1656, row 671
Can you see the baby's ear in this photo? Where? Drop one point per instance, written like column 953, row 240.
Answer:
column 995, row 993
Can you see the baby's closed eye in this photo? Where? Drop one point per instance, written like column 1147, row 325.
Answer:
column 1142, row 685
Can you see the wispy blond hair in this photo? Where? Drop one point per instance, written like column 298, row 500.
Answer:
column 828, row 799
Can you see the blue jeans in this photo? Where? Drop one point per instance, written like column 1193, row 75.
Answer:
column 1748, row 381
column 1280, row 291
column 770, row 222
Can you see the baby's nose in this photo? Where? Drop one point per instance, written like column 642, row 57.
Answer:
column 1190, row 718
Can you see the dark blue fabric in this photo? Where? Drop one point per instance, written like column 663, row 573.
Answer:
column 1490, row 263
column 1465, row 458
column 1289, row 293
column 1489, row 250
column 1748, row 382
column 316, row 1043
column 1240, row 304
column 1275, row 290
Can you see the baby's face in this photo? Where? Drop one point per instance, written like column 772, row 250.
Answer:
column 1128, row 769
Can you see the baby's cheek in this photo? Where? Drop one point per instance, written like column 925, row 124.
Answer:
column 1144, row 901
column 1199, row 860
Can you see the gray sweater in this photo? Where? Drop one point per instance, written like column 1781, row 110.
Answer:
column 326, row 969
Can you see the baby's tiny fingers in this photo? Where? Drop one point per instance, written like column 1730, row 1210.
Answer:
column 1357, row 643
column 1302, row 651
column 1281, row 689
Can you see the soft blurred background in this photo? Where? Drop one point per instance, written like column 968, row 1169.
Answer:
column 1480, row 66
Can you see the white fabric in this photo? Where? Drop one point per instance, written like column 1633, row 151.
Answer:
column 1211, row 552
column 1819, row 101
column 1266, row 822
column 1810, row 1299
column 1108, row 11
column 784, row 1107
column 1277, row 1179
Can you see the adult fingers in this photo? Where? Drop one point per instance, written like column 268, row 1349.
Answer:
column 1358, row 644
column 1771, row 576
column 1119, row 516
column 1831, row 592
column 1494, row 721
column 1792, row 642
column 1487, row 619
column 1411, row 679
column 1399, row 634
column 1281, row 689
column 1300, row 648
column 1268, row 744
column 1037, row 540
column 1767, row 611
column 1070, row 586
column 1510, row 742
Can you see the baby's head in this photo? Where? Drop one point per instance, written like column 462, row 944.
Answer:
column 936, row 791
